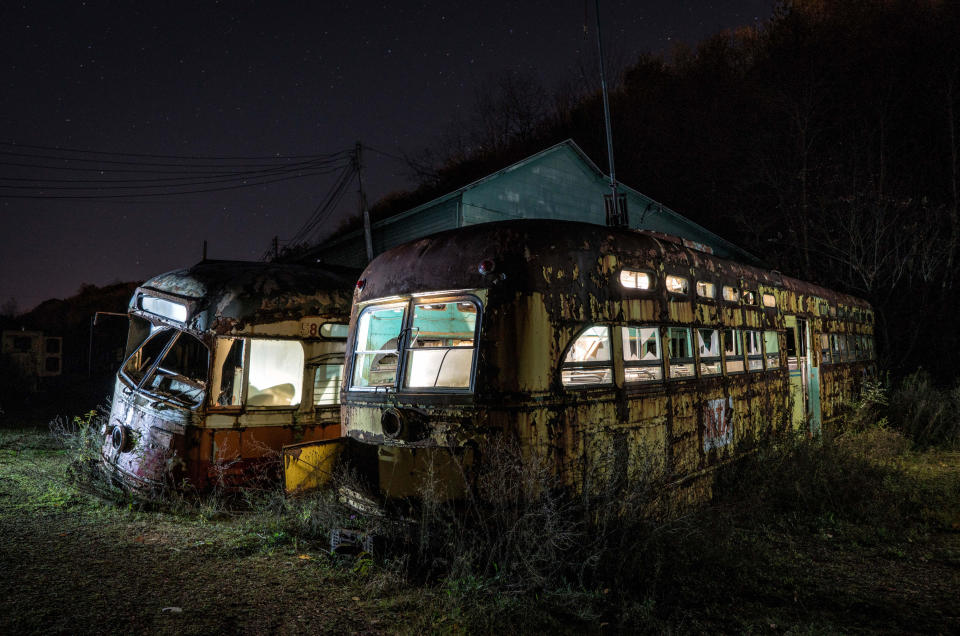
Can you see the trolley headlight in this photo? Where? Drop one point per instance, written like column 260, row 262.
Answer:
column 120, row 438
column 401, row 424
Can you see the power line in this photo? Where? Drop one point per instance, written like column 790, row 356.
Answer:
column 155, row 194
column 143, row 184
column 159, row 156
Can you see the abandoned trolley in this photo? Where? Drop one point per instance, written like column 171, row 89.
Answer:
column 580, row 342
column 226, row 362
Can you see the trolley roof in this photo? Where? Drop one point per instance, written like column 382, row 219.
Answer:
column 227, row 296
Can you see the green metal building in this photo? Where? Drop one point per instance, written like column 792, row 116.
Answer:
column 560, row 182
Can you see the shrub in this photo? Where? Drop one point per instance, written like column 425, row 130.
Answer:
column 928, row 415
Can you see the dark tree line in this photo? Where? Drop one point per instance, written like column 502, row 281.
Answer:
column 827, row 142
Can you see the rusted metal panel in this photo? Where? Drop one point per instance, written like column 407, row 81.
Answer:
column 309, row 465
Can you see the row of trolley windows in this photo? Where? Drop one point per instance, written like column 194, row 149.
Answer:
column 838, row 347
column 650, row 351
column 680, row 286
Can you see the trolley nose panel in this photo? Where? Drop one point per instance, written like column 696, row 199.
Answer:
column 142, row 449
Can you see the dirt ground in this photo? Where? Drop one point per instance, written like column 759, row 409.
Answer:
column 72, row 563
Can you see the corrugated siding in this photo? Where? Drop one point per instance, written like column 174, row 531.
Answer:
column 555, row 186
column 436, row 219
column 349, row 253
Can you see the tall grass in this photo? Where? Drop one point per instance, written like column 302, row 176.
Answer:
column 927, row 414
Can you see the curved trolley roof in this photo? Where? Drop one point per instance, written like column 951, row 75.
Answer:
column 544, row 255
column 229, row 296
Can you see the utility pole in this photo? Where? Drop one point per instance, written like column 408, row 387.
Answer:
column 367, row 229
column 615, row 208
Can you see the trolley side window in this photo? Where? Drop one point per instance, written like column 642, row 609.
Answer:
column 680, row 350
column 708, row 344
column 588, row 361
column 751, row 341
column 327, row 379
column 376, row 350
column 733, row 351
column 441, row 345
column 677, row 284
column 771, row 347
column 636, row 279
column 825, row 348
column 642, row 355
column 276, row 373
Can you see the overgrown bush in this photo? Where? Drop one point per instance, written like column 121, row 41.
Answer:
column 928, row 415
column 81, row 439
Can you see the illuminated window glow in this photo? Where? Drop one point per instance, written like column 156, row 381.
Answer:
column 163, row 307
column 634, row 279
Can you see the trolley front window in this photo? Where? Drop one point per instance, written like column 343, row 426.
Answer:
column 440, row 347
column 376, row 356
column 431, row 343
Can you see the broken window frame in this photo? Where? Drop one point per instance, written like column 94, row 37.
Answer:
column 638, row 370
column 730, row 335
column 677, row 285
column 151, row 383
column 706, row 290
column 730, row 294
column 682, row 367
column 753, row 348
column 710, row 365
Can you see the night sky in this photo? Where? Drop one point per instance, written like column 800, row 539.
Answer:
column 178, row 88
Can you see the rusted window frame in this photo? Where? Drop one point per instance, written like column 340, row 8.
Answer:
column 586, row 365
column 735, row 300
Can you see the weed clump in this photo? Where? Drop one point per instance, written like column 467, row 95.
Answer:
column 928, row 415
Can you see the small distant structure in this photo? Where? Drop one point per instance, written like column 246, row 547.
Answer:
column 34, row 354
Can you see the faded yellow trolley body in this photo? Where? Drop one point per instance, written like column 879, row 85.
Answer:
column 585, row 342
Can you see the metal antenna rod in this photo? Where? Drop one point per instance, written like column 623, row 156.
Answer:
column 606, row 116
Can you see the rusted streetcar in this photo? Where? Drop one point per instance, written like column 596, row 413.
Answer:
column 226, row 362
column 580, row 340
